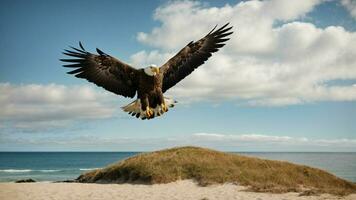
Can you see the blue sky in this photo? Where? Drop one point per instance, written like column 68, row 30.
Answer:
column 285, row 82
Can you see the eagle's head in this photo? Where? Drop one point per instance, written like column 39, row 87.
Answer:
column 151, row 70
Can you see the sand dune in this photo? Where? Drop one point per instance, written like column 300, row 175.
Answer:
column 186, row 190
column 207, row 166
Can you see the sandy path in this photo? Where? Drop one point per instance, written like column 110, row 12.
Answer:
column 178, row 190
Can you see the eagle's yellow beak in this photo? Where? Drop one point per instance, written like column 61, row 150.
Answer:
column 156, row 69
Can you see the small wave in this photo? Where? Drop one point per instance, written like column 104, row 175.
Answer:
column 88, row 169
column 28, row 170
column 49, row 170
column 15, row 170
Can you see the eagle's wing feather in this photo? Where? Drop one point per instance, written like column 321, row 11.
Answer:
column 192, row 56
column 103, row 70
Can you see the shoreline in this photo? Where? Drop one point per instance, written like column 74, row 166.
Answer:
column 183, row 189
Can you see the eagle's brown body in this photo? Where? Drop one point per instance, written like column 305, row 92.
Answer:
column 149, row 83
column 149, row 90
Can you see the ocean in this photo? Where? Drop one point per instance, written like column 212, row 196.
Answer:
column 59, row 166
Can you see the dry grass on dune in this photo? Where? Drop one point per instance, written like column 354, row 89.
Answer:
column 209, row 167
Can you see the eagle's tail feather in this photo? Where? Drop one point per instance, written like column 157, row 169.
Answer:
column 134, row 108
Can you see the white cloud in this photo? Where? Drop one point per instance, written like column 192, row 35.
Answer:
column 262, row 64
column 247, row 138
column 263, row 142
column 350, row 5
column 34, row 106
column 144, row 58
column 288, row 10
column 209, row 135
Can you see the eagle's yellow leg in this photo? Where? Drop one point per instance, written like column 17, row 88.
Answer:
column 149, row 112
column 164, row 107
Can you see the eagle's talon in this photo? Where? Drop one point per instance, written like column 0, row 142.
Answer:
column 149, row 112
column 164, row 107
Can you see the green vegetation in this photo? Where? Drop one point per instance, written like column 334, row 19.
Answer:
column 210, row 167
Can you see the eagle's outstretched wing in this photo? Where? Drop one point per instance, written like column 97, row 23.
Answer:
column 193, row 55
column 103, row 70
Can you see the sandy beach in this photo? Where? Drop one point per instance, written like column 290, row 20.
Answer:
column 186, row 190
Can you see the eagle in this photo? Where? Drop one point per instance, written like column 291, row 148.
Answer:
column 148, row 83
